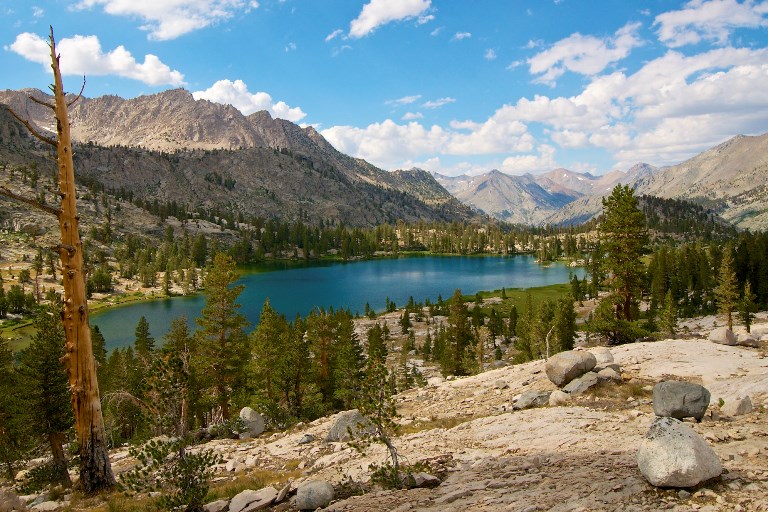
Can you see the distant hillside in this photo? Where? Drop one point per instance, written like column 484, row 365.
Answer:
column 168, row 147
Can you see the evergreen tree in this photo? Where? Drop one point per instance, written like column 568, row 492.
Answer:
column 222, row 344
column 46, row 389
column 747, row 306
column 144, row 343
column 624, row 237
column 267, row 348
column 668, row 318
column 727, row 292
column 15, row 431
column 458, row 355
column 564, row 324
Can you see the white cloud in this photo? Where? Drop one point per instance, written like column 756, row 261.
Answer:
column 586, row 55
column 333, row 35
column 459, row 36
column 490, row 54
column 711, row 20
column 412, row 116
column 436, row 31
column 380, row 12
column 169, row 19
column 438, row 102
column 290, row 47
column 236, row 94
column 533, row 163
column 82, row 55
column 405, row 100
column 38, row 12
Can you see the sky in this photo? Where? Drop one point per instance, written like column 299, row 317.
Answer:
column 450, row 86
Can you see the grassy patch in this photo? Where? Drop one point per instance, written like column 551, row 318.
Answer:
column 517, row 297
column 253, row 480
column 446, row 423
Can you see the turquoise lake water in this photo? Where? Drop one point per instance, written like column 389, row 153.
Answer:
column 296, row 290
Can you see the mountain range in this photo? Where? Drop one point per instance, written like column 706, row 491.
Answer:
column 170, row 147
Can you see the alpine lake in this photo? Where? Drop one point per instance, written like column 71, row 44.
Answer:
column 296, row 288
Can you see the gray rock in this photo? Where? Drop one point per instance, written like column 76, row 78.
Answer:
column 562, row 368
column 254, row 422
column 723, row 336
column 306, row 439
column 10, row 501
column 602, row 355
column 608, row 374
column 672, row 454
column 747, row 340
column 47, row 506
column 580, row 385
column 414, row 480
column 680, row 400
column 500, row 384
column 558, row 397
column 314, row 494
column 737, row 407
column 284, row 492
column 216, row 506
column 532, row 398
column 435, row 381
column 249, row 500
column 346, row 421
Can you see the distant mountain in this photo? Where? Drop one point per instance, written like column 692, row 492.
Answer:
column 169, row 147
column 530, row 199
column 516, row 199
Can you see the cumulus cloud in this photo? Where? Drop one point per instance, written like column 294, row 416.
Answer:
column 586, row 55
column 412, row 116
column 38, row 12
column 711, row 20
column 169, row 19
column 83, row 55
column 380, row 12
column 490, row 54
column 459, row 36
column 542, row 161
column 236, row 94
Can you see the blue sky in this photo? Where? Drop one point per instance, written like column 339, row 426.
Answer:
column 453, row 86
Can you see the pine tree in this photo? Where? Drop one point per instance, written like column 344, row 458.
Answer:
column 459, row 340
column 46, row 388
column 222, row 344
column 727, row 292
column 669, row 314
column 747, row 306
column 624, row 237
column 144, row 343
column 266, row 342
column 15, row 429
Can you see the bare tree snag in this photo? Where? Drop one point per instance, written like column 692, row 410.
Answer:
column 95, row 469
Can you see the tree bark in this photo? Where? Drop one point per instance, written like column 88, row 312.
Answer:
column 56, row 440
column 95, row 469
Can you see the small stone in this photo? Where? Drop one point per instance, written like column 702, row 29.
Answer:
column 216, row 506
column 419, row 480
column 558, row 397
column 683, row 494
column 580, row 385
column 306, row 439
column 737, row 407
column 532, row 398
column 250, row 500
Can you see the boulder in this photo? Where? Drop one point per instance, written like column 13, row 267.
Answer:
column 435, row 381
column 737, row 407
column 680, row 400
column 254, row 422
column 580, row 385
column 345, row 422
column 747, row 340
column 47, row 506
column 563, row 367
column 602, row 355
column 419, row 480
column 10, row 501
column 216, row 506
column 558, row 397
column 314, row 494
column 672, row 454
column 249, row 500
column 723, row 336
column 532, row 398
column 608, row 374
column 306, row 439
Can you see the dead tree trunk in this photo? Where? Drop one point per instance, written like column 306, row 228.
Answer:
column 95, row 469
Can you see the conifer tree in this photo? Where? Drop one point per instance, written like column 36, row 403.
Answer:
column 624, row 238
column 144, row 343
column 459, row 340
column 222, row 345
column 669, row 314
column 15, row 434
column 727, row 292
column 747, row 306
column 46, row 388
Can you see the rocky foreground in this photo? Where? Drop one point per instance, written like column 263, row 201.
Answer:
column 580, row 455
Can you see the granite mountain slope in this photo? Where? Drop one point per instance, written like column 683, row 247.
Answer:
column 169, row 147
